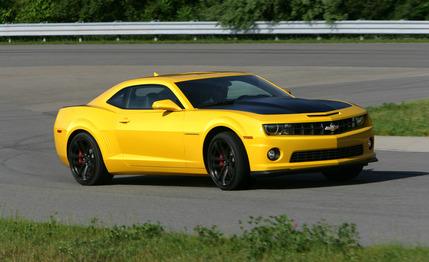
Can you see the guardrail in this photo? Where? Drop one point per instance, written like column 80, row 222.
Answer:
column 213, row 28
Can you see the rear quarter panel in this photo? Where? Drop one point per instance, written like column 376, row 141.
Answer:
column 98, row 122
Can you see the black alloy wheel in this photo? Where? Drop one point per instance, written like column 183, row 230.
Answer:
column 227, row 162
column 85, row 161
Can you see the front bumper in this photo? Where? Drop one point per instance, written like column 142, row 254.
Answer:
column 258, row 147
column 363, row 162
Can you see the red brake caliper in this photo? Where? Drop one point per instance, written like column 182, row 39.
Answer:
column 80, row 159
column 221, row 160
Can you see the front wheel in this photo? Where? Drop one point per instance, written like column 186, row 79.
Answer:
column 86, row 162
column 342, row 173
column 227, row 162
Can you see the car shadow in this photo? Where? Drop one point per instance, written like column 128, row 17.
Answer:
column 296, row 181
column 165, row 180
column 315, row 180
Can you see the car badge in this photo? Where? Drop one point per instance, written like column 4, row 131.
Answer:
column 332, row 127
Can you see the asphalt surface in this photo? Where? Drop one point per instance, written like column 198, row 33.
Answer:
column 372, row 55
column 389, row 202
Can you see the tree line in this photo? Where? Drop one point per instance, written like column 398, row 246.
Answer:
column 240, row 14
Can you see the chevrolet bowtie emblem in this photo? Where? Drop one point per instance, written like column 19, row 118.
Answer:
column 331, row 127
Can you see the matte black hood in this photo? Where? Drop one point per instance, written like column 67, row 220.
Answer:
column 283, row 105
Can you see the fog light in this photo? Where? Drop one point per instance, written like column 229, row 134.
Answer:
column 371, row 143
column 273, row 154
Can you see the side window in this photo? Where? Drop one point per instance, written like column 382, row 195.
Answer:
column 142, row 97
column 119, row 99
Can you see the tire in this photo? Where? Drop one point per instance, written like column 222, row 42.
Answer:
column 227, row 162
column 86, row 162
column 342, row 173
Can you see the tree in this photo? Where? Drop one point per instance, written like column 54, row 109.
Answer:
column 102, row 11
column 34, row 11
column 412, row 10
column 6, row 11
column 238, row 14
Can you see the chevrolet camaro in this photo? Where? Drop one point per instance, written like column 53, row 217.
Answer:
column 229, row 125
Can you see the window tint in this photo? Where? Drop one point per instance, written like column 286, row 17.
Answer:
column 119, row 99
column 142, row 97
column 224, row 90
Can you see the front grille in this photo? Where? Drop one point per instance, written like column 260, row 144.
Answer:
column 323, row 128
column 327, row 154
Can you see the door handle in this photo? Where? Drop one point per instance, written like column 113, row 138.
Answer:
column 124, row 121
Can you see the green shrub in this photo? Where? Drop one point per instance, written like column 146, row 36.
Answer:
column 262, row 239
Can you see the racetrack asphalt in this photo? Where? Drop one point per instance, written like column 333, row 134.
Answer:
column 389, row 202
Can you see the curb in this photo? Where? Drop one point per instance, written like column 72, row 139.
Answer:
column 402, row 143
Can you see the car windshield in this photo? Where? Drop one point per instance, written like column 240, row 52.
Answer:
column 203, row 93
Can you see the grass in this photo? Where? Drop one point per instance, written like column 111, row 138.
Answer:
column 405, row 119
column 271, row 239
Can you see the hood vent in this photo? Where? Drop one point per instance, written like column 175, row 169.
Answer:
column 327, row 114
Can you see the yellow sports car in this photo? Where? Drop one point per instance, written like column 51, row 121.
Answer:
column 230, row 125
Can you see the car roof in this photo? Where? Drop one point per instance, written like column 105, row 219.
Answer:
column 180, row 77
column 102, row 98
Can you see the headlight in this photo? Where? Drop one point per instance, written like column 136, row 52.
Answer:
column 277, row 129
column 359, row 121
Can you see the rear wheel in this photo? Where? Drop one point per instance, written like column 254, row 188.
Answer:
column 86, row 162
column 343, row 173
column 227, row 162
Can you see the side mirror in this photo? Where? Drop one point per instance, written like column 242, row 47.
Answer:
column 166, row 105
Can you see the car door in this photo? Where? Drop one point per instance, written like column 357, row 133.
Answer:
column 150, row 138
